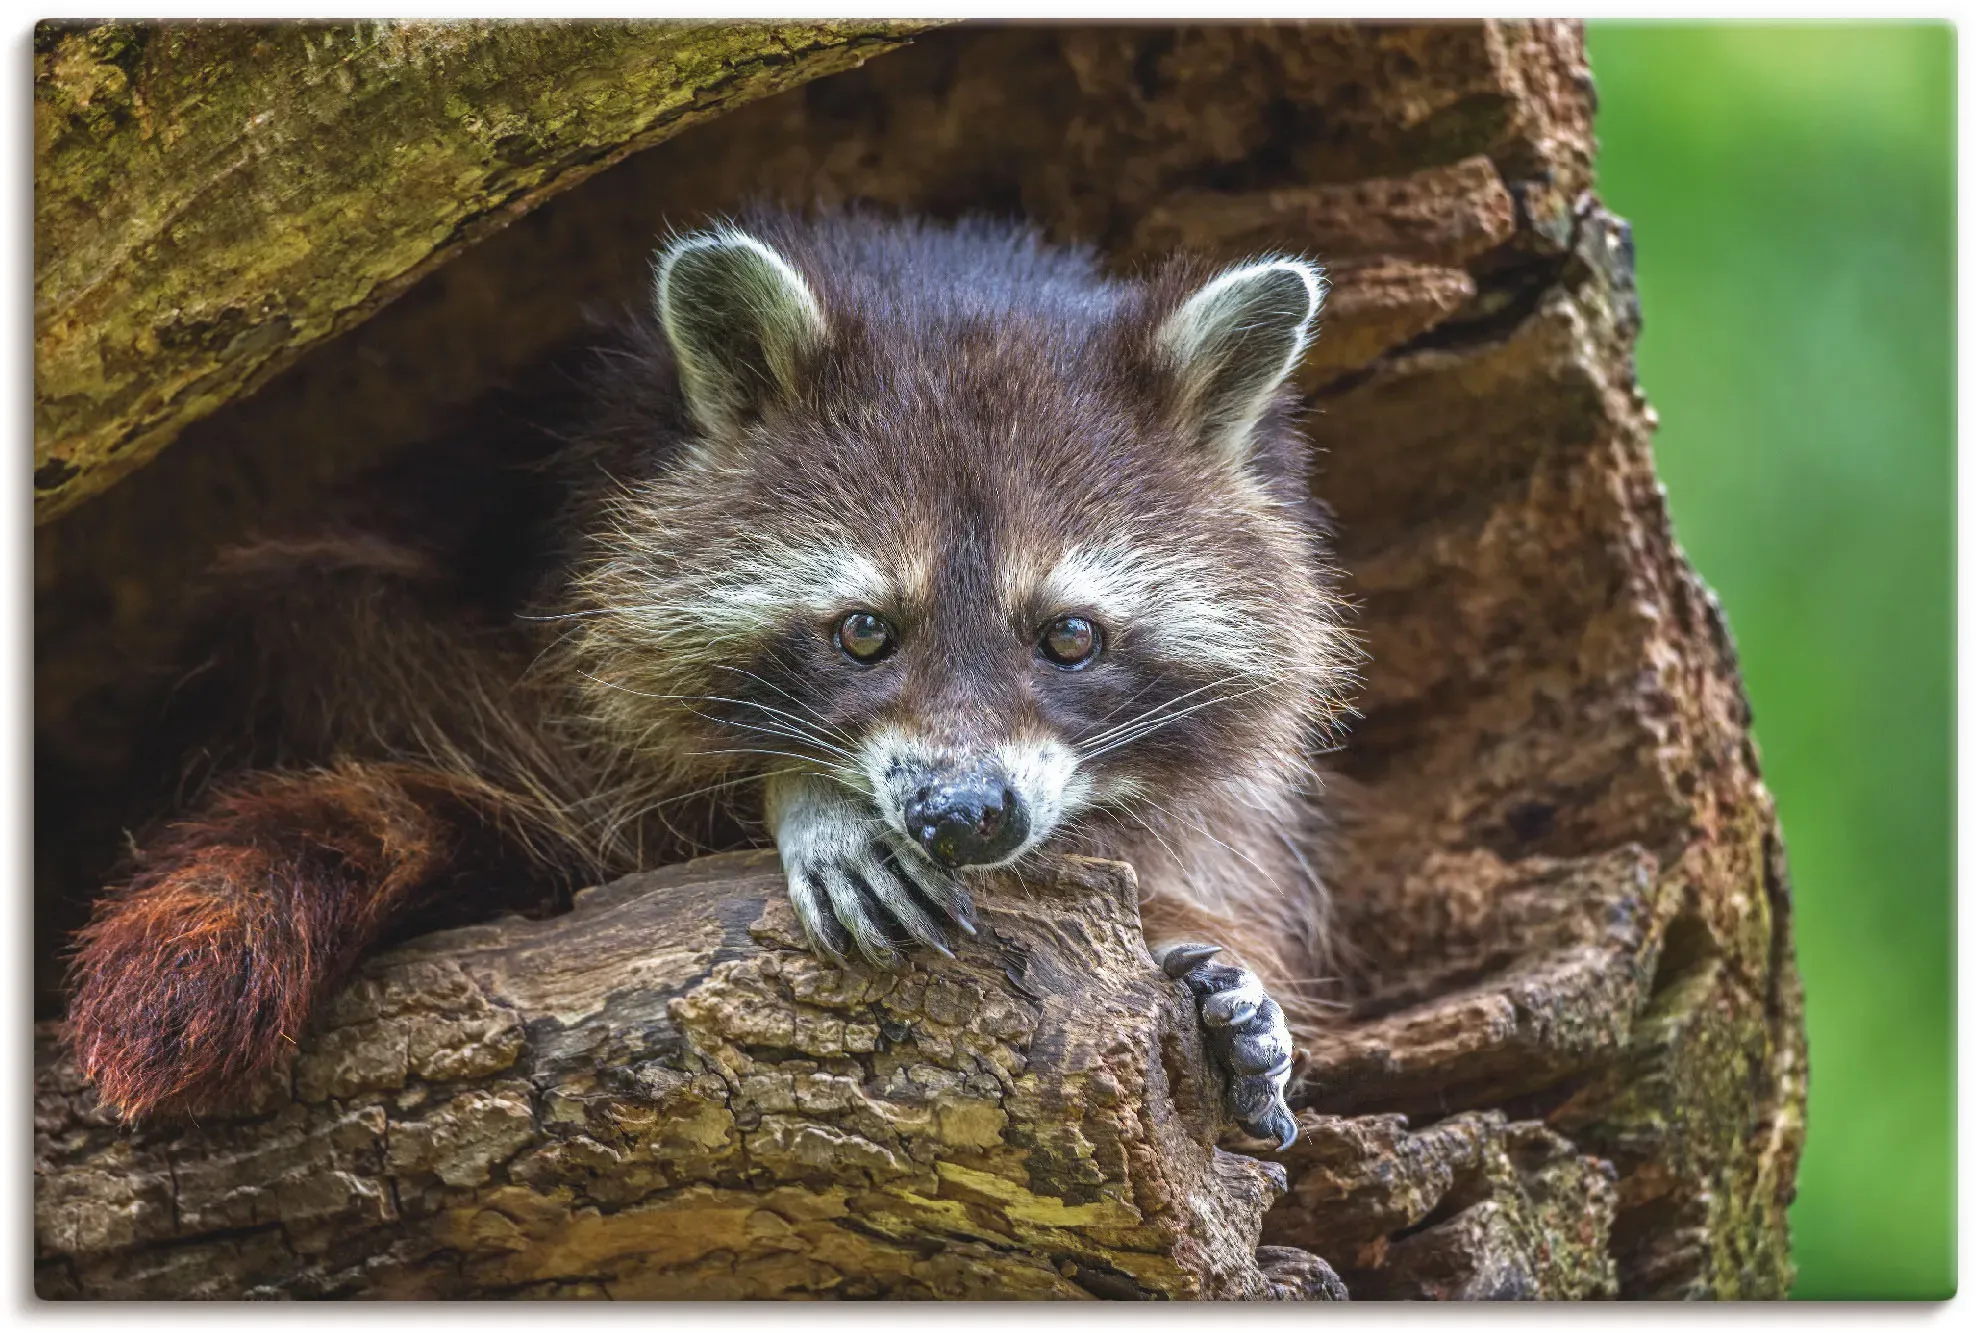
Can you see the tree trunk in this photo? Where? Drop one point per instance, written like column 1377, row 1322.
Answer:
column 661, row 1095
column 213, row 198
column 1569, row 1060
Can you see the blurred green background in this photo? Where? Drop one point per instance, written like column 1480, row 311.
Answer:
column 1791, row 190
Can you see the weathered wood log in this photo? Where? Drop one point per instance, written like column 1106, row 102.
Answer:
column 661, row 1095
column 211, row 199
column 1569, row 1060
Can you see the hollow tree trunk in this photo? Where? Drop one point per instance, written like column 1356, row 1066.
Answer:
column 1569, row 1060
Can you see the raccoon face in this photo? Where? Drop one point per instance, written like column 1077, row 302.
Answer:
column 1003, row 549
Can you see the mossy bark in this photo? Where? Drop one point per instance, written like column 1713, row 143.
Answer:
column 1569, row 1059
column 213, row 198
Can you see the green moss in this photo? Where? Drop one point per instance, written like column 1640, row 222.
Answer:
column 211, row 199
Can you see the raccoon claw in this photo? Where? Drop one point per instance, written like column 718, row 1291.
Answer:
column 860, row 894
column 821, row 928
column 1178, row 959
column 1280, row 1127
column 1247, row 1035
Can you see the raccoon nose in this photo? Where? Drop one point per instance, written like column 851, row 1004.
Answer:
column 967, row 822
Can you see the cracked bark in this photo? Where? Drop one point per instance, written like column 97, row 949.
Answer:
column 661, row 1094
column 1570, row 1059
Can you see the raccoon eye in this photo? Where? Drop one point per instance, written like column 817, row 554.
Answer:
column 864, row 637
column 1070, row 642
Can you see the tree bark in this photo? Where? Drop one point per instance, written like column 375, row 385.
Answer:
column 662, row 1095
column 213, row 198
column 1569, row 1060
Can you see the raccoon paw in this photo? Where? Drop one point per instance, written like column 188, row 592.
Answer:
column 1247, row 1034
column 857, row 886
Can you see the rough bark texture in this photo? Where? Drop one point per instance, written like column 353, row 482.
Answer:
column 1569, row 1060
column 213, row 198
column 661, row 1095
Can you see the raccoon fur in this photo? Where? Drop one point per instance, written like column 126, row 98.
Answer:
column 915, row 549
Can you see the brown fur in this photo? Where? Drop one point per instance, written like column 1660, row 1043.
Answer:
column 191, row 978
column 410, row 740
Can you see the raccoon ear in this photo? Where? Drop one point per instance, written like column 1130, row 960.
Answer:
column 740, row 319
column 1235, row 341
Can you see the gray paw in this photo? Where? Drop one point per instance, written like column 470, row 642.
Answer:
column 855, row 885
column 1247, row 1033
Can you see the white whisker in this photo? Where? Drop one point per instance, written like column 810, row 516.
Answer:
column 1167, row 703
column 1161, row 722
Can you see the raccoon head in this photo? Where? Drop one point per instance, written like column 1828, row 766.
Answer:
column 1010, row 551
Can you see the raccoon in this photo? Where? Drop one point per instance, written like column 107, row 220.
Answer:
column 915, row 549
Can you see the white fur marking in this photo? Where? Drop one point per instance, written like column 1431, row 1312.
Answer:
column 889, row 750
column 774, row 294
column 812, row 825
column 1203, row 335
column 1172, row 598
column 1044, row 773
column 756, row 589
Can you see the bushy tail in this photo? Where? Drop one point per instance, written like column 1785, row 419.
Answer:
column 193, row 976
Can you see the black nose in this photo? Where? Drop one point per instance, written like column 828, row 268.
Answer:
column 967, row 821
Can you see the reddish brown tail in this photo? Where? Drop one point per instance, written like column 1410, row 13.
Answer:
column 190, row 979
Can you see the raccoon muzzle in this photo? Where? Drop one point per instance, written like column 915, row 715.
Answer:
column 967, row 820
